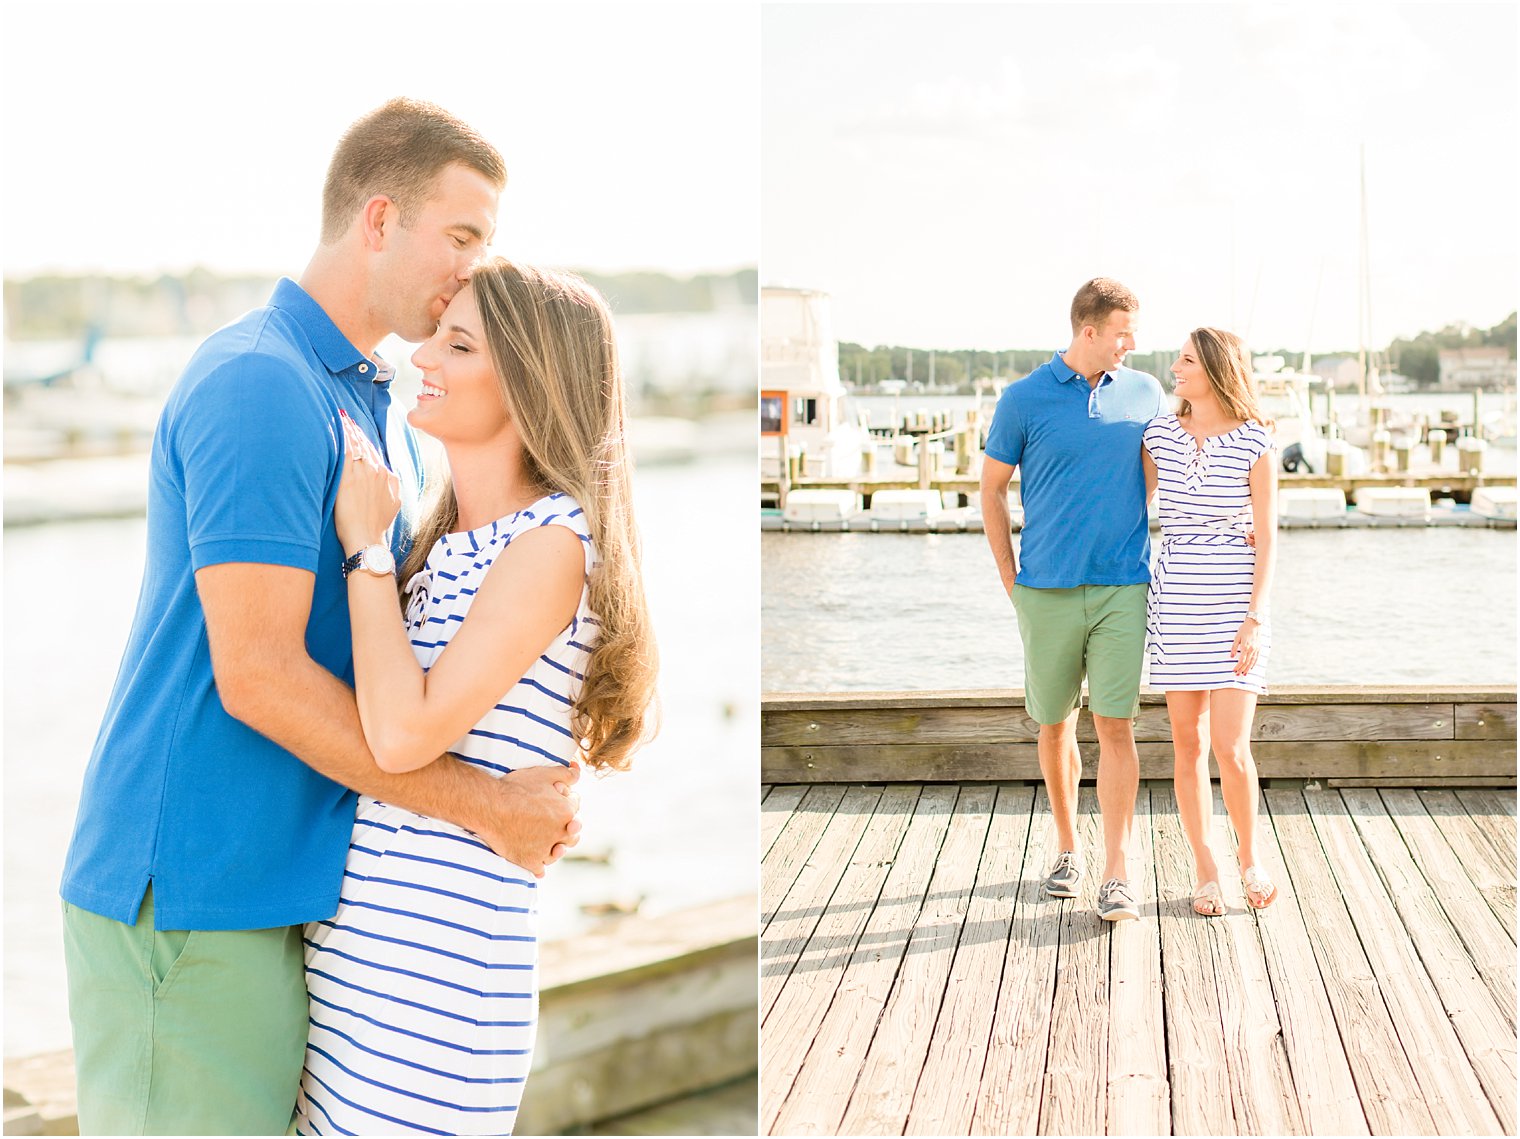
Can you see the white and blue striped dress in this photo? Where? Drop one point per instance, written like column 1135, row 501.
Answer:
column 423, row 987
column 1201, row 581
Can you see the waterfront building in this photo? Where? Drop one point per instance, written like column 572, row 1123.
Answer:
column 1490, row 368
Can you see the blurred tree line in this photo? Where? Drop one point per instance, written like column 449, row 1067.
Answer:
column 860, row 366
column 1419, row 357
column 55, row 306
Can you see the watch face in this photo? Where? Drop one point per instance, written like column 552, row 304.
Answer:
column 378, row 559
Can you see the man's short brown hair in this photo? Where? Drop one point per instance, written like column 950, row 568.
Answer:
column 399, row 151
column 1096, row 299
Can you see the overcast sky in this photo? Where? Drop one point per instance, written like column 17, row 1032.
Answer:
column 148, row 136
column 951, row 173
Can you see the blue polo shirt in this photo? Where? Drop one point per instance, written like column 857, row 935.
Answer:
column 233, row 831
column 1078, row 452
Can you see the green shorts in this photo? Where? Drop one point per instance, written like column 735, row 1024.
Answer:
column 184, row 1032
column 1092, row 630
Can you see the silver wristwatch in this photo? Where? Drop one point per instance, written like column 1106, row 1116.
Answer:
column 1255, row 615
column 376, row 559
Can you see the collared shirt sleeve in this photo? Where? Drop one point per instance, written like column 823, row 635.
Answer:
column 258, row 453
column 1005, row 438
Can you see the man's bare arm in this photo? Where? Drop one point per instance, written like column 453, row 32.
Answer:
column 997, row 522
column 256, row 623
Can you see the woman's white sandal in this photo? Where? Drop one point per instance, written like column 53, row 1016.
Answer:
column 1261, row 891
column 1208, row 900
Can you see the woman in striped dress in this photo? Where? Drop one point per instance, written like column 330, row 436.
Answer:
column 1215, row 468
column 525, row 642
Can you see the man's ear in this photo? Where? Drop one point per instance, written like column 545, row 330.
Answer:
column 378, row 214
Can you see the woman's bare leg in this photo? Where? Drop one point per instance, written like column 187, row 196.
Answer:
column 1231, row 711
column 1189, row 712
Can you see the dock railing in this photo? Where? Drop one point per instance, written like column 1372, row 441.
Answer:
column 1341, row 735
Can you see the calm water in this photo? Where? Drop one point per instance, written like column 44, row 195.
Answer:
column 681, row 827
column 926, row 611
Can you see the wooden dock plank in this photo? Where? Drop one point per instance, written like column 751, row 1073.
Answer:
column 1385, row 1081
column 945, row 1099
column 1447, row 1082
column 1139, row 1094
column 1076, row 1067
column 1486, row 721
column 1451, row 781
column 1488, row 941
column 913, row 723
column 884, row 1093
column 787, row 855
column 775, row 809
column 1322, row 1077
column 1013, row 698
column 822, row 960
column 1007, row 1102
column 1491, row 871
column 1264, row 1098
column 1496, row 805
column 790, row 1023
column 1469, row 1005
column 815, row 1100
column 1199, row 1081
column 1389, row 761
column 1380, row 721
column 1494, row 818
column 808, row 897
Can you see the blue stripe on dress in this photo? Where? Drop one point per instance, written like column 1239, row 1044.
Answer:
column 441, row 1043
column 316, row 1103
column 369, row 1111
column 502, row 878
column 467, row 839
column 502, row 737
column 441, row 892
column 355, row 959
column 421, row 1067
column 435, row 1010
column 415, row 916
column 560, row 728
column 405, row 944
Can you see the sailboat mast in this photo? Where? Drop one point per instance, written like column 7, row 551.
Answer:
column 1363, row 302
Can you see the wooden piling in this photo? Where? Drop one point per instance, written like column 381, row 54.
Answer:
column 1437, row 441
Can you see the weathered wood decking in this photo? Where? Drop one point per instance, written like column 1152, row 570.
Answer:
column 914, row 979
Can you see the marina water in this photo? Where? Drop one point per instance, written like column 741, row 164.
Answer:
column 862, row 611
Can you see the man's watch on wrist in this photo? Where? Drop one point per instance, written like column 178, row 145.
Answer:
column 376, row 559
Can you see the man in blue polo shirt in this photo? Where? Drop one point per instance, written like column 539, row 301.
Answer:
column 1072, row 428
column 216, row 811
